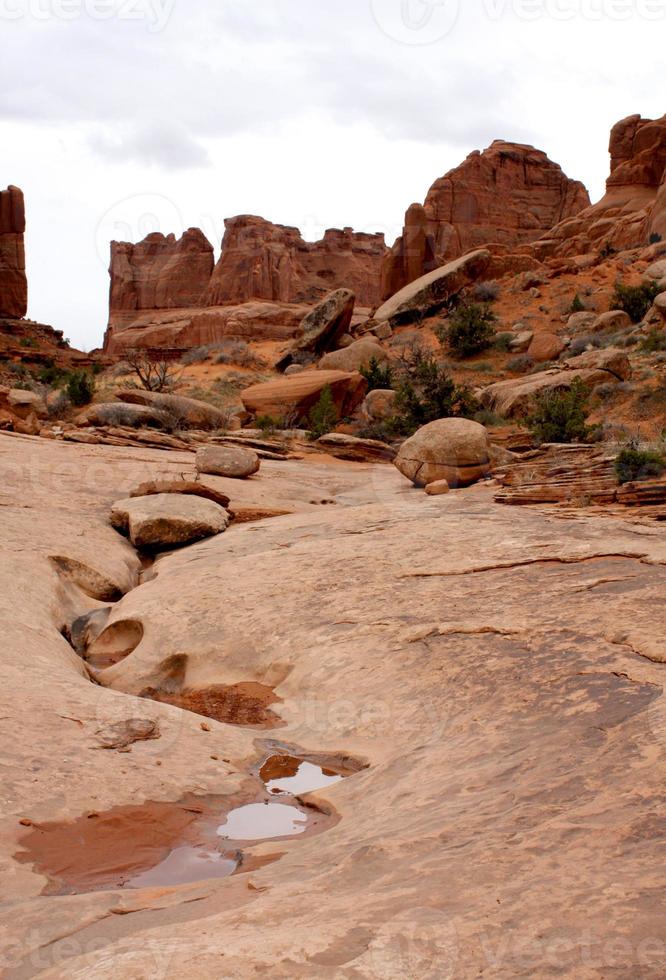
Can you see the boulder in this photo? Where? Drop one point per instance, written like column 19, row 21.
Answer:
column 25, row 403
column 230, row 461
column 581, row 322
column 13, row 280
column 167, row 520
column 188, row 412
column 545, row 347
column 431, row 292
column 509, row 194
column 660, row 304
column 657, row 270
column 296, row 396
column 322, row 328
column 515, row 397
column 358, row 355
column 455, row 450
column 379, row 405
column 613, row 320
column 438, row 489
column 117, row 413
column 521, row 342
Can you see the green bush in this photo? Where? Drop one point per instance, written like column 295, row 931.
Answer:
column 324, row 416
column 379, row 376
column 427, row 392
column 636, row 464
column 635, row 300
column 577, row 305
column 469, row 330
column 561, row 416
column 503, row 342
column 80, row 388
column 269, row 424
column 654, row 341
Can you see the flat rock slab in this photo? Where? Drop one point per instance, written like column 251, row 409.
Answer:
column 230, row 461
column 187, row 487
column 165, row 520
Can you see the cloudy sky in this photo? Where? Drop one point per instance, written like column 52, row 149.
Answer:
column 121, row 117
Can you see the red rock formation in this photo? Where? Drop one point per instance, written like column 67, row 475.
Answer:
column 634, row 206
column 13, row 282
column 160, row 273
column 261, row 260
column 510, row 195
column 168, row 293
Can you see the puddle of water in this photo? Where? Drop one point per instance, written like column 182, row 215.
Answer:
column 286, row 775
column 263, row 821
column 183, row 866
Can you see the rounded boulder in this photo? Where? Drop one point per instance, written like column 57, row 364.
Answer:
column 230, row 461
column 455, row 450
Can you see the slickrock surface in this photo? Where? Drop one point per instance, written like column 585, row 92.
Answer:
column 493, row 666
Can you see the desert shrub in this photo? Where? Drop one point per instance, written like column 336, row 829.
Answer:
column 636, row 464
column 324, row 416
column 654, row 341
column 486, row 292
column 27, row 342
column 469, row 330
column 503, row 342
column 154, row 371
column 655, row 238
column 581, row 344
column 488, row 418
column 577, row 305
column 239, row 353
column 427, row 392
column 379, row 376
column 58, row 405
column 607, row 251
column 521, row 364
column 197, row 355
column 80, row 388
column 561, row 416
column 635, row 300
column 383, row 430
column 269, row 424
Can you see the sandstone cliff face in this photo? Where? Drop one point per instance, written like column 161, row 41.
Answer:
column 168, row 293
column 160, row 273
column 509, row 194
column 13, row 282
column 634, row 206
column 261, row 260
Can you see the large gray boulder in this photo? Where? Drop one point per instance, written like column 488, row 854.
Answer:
column 167, row 520
column 231, row 461
column 455, row 450
column 431, row 292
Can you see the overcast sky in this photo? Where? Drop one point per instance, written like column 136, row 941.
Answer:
column 120, row 117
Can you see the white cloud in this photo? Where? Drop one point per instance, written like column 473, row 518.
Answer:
column 309, row 113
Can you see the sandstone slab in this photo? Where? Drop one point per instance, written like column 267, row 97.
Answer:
column 297, row 394
column 167, row 520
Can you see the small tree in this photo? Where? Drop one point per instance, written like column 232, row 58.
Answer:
column 379, row 376
column 635, row 300
column 428, row 392
column 561, row 416
column 155, row 372
column 80, row 388
column 324, row 416
column 470, row 329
